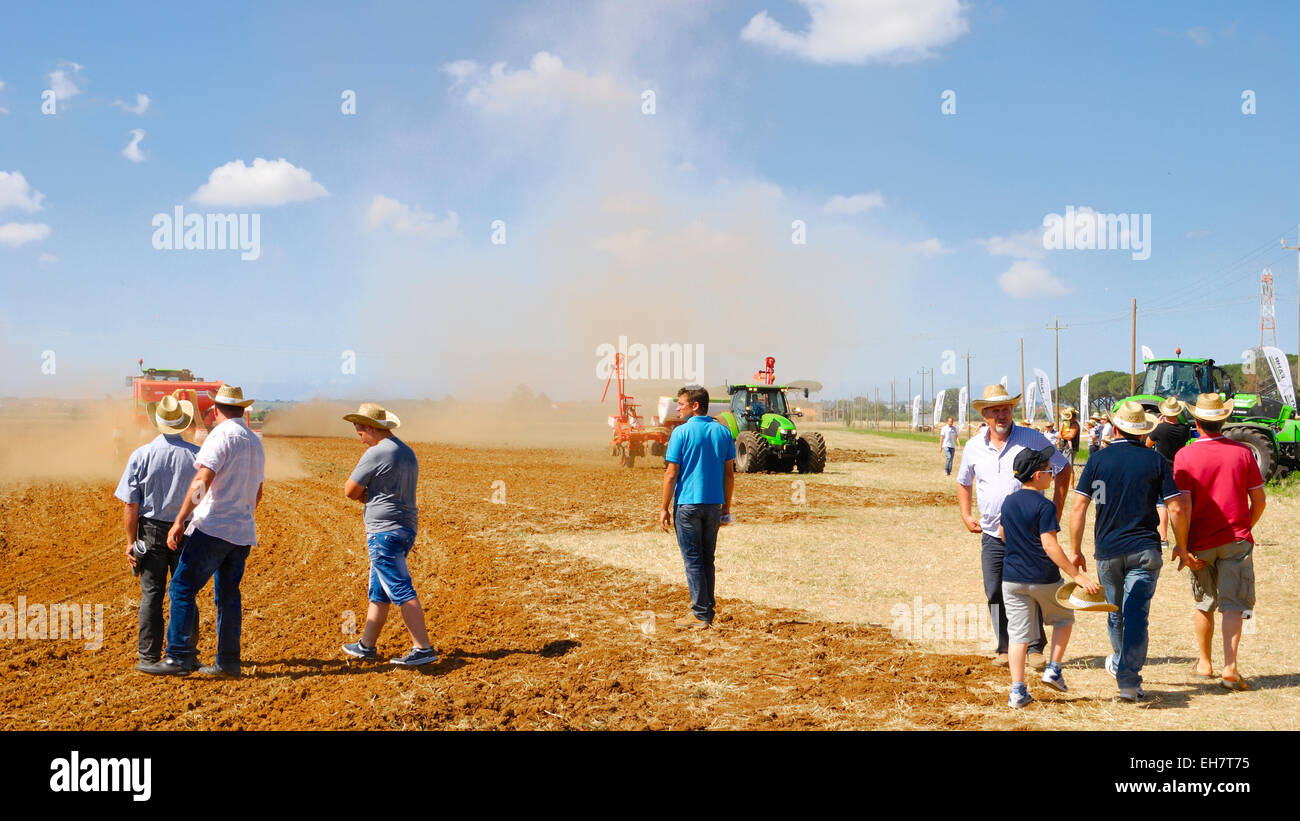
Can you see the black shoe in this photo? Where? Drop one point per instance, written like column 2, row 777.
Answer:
column 216, row 671
column 167, row 667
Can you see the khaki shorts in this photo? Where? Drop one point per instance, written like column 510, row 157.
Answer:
column 1227, row 582
column 1022, row 603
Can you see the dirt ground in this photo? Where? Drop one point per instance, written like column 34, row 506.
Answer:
column 530, row 636
column 552, row 607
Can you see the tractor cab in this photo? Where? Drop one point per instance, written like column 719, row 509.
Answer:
column 1185, row 378
column 750, row 403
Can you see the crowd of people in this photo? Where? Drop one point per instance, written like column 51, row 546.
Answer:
column 1144, row 475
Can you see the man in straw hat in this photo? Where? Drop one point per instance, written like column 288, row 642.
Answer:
column 987, row 462
column 384, row 480
column 1167, row 439
column 152, row 490
column 1221, row 480
column 1126, row 480
column 226, row 490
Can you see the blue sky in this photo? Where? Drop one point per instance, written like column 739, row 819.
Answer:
column 922, row 228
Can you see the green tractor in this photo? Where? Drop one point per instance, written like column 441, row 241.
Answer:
column 1260, row 420
column 760, row 421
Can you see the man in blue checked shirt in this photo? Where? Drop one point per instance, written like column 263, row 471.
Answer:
column 699, row 474
column 152, row 489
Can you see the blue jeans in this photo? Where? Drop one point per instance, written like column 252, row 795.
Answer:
column 206, row 557
column 390, row 578
column 947, row 463
column 1130, row 583
column 697, row 536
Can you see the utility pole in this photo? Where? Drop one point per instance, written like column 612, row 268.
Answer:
column 1133, row 353
column 1296, row 247
column 876, row 392
column 968, row 356
column 893, row 404
column 909, row 401
column 1057, row 327
column 1024, row 399
column 923, row 372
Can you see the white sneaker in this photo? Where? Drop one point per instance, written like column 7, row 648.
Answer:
column 1054, row 679
column 1112, row 666
column 1018, row 700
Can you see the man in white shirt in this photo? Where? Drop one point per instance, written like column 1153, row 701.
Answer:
column 223, row 497
column 948, row 444
column 987, row 464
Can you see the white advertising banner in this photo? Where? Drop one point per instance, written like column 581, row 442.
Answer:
column 938, row 407
column 1281, row 374
column 963, row 399
column 1045, row 391
column 916, row 411
column 1083, row 397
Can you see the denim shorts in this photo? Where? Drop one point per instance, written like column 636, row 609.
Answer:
column 390, row 579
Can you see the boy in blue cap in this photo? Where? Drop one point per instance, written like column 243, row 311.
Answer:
column 1031, row 572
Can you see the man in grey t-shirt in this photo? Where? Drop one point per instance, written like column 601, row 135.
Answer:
column 385, row 481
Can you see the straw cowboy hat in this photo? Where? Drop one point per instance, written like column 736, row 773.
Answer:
column 1068, row 414
column 995, row 396
column 1096, row 417
column 1172, row 407
column 1069, row 595
column 173, row 415
column 1210, row 408
column 232, row 395
column 1132, row 418
column 373, row 416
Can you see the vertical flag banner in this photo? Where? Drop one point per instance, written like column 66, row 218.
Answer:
column 1281, row 374
column 1031, row 397
column 916, row 411
column 1045, row 391
column 962, row 399
column 1147, row 355
column 1083, row 397
column 1003, row 382
column 938, row 407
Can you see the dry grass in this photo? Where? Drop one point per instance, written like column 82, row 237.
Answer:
column 858, row 563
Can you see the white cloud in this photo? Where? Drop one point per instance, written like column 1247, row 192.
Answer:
column 1199, row 35
column 631, row 247
column 63, row 80
column 931, row 247
column 3, row 110
column 862, row 31
column 403, row 219
column 141, row 104
column 14, row 234
column 16, row 193
column 854, row 204
column 132, row 151
column 1025, row 245
column 1028, row 279
column 262, row 183
column 544, row 83
column 47, row 259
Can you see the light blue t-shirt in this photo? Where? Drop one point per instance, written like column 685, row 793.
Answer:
column 158, row 476
column 700, row 448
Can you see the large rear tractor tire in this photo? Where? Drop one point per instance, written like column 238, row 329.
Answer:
column 812, row 452
column 751, row 452
column 1261, row 445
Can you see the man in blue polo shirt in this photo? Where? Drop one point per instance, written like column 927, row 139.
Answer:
column 699, row 473
column 1126, row 480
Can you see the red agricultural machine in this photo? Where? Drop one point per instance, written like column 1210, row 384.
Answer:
column 153, row 384
column 631, row 436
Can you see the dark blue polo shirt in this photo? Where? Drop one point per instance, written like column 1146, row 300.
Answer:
column 1026, row 515
column 1125, row 480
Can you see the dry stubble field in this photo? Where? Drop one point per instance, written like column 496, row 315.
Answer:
column 539, row 606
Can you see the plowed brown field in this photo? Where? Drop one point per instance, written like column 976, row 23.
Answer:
column 530, row 637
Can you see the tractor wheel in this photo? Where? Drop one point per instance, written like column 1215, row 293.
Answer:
column 1260, row 444
column 812, row 453
column 751, row 452
column 626, row 456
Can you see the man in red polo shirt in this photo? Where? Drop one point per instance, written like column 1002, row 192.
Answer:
column 1226, row 494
